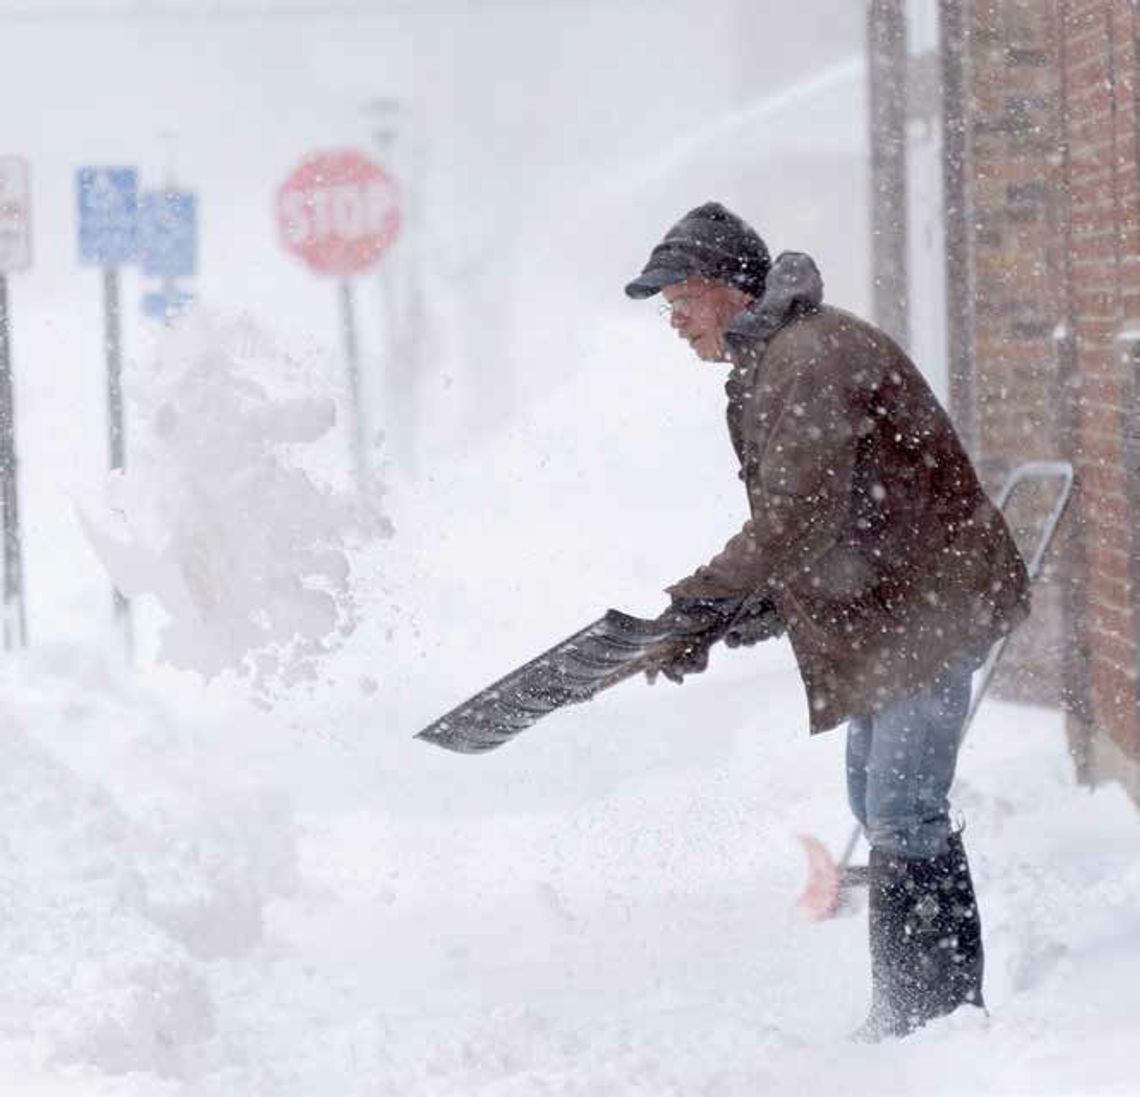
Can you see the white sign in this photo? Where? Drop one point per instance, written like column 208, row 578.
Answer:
column 15, row 215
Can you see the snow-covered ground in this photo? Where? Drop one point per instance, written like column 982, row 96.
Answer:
column 215, row 888
column 206, row 902
column 257, row 884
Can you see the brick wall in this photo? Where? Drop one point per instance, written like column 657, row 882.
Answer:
column 1042, row 201
column 1011, row 258
column 1098, row 66
column 1050, row 193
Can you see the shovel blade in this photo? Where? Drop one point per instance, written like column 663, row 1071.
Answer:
column 820, row 899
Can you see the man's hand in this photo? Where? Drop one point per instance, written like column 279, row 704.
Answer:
column 756, row 620
column 696, row 624
column 696, row 616
column 691, row 659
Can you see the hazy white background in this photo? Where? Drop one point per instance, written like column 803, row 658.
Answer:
column 544, row 146
column 214, row 888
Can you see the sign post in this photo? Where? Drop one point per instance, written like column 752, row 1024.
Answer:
column 352, row 366
column 108, row 216
column 15, row 255
column 399, row 285
column 338, row 212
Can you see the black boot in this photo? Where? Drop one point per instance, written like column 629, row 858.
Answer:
column 926, row 940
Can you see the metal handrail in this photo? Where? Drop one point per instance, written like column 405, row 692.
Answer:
column 1027, row 470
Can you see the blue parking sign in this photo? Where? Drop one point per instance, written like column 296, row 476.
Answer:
column 168, row 233
column 166, row 303
column 108, row 213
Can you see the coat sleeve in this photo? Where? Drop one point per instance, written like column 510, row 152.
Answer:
column 799, row 492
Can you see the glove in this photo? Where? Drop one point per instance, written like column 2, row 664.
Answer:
column 690, row 660
column 697, row 616
column 696, row 624
column 756, row 620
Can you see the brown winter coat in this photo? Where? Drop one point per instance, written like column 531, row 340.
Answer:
column 869, row 529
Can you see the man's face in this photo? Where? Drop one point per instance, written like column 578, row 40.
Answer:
column 699, row 311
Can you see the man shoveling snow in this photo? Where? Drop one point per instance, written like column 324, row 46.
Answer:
column 872, row 542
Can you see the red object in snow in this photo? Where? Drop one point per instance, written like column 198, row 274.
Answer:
column 338, row 212
column 820, row 898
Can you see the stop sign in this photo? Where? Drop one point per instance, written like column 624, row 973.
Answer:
column 338, row 212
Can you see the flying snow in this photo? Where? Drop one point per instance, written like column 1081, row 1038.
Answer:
column 235, row 513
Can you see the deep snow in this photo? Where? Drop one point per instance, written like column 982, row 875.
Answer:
column 606, row 906
column 260, row 884
column 207, row 896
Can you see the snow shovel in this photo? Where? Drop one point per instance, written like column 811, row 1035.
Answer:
column 611, row 649
column 829, row 882
column 604, row 653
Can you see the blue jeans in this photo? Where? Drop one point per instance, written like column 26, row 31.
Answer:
column 900, row 764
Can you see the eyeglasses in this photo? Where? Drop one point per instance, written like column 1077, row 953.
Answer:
column 666, row 308
column 685, row 301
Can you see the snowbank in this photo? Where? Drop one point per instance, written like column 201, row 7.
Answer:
column 612, row 911
column 206, row 899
